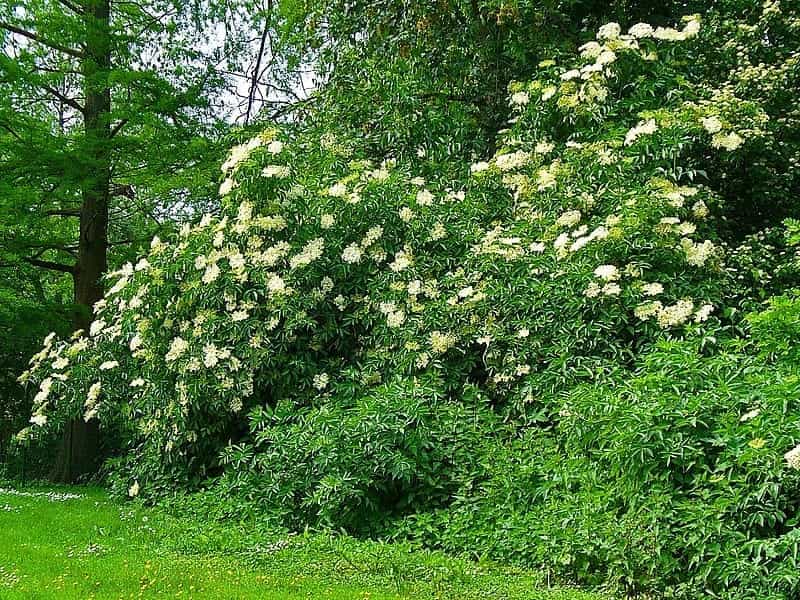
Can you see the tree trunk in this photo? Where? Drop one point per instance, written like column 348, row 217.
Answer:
column 78, row 455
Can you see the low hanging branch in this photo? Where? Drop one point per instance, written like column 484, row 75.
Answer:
column 53, row 266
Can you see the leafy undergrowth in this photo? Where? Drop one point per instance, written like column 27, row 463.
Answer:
column 76, row 543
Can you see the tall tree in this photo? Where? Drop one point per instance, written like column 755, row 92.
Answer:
column 108, row 112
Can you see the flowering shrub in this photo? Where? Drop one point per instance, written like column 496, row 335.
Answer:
column 347, row 342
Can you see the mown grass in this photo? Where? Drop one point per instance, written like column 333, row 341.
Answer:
column 93, row 547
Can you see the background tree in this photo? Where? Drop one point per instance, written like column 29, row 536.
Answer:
column 431, row 76
column 109, row 114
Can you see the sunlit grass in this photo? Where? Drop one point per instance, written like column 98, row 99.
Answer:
column 91, row 547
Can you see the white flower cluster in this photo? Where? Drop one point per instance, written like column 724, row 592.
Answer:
column 90, row 405
column 496, row 242
column 511, row 160
column 177, row 348
column 276, row 171
column 728, row 141
column 642, row 128
column 609, row 274
column 395, row 317
column 673, row 315
column 697, row 254
column 311, row 251
column 441, row 342
column 520, row 98
column 242, row 152
column 793, row 458
column 652, row 289
column 569, row 218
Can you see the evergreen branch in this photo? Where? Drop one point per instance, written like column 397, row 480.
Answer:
column 73, row 7
column 37, row 38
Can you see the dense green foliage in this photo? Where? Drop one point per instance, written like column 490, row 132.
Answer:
column 534, row 333
column 675, row 474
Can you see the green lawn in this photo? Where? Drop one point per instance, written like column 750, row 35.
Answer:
column 92, row 547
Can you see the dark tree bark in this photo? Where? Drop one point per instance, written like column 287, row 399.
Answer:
column 78, row 455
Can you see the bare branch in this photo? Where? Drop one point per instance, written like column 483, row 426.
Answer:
column 251, row 97
column 66, row 100
column 116, row 129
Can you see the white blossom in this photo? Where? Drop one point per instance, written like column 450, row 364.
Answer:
column 520, row 98
column 133, row 491
column 642, row 128
column 569, row 218
column 703, row 313
column 94, row 392
column 641, row 30
column 441, row 342
column 424, row 197
column 793, row 457
column 752, row 414
column 326, row 221
column 712, row 124
column 607, row 272
column 96, row 327
column 177, row 348
column 395, row 319
column 276, row 284
column 352, row 254
column 406, row 214
column 337, row 190
column 571, row 74
column 609, row 31
column 728, row 141
column 276, row 171
column 321, row 381
column 652, row 289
